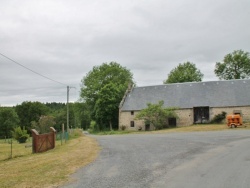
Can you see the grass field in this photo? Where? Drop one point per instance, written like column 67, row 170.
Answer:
column 18, row 150
column 47, row 169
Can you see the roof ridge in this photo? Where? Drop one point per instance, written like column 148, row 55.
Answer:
column 187, row 83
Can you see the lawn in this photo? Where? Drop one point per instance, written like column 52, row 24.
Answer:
column 47, row 169
column 18, row 150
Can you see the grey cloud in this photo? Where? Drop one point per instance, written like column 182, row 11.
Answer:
column 63, row 40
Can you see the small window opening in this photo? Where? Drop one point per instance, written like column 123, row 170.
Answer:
column 132, row 124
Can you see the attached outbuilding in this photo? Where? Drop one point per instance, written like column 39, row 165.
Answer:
column 197, row 102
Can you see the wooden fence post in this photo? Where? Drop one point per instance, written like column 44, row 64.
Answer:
column 34, row 140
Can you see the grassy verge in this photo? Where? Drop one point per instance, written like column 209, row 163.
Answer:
column 113, row 132
column 48, row 169
column 192, row 128
column 202, row 127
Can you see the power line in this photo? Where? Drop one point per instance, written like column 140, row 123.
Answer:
column 32, row 70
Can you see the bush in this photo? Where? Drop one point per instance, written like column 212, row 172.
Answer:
column 123, row 127
column 219, row 117
column 20, row 135
column 93, row 127
column 75, row 133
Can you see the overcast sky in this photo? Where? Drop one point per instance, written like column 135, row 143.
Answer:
column 64, row 39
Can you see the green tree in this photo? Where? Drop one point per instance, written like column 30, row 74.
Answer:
column 186, row 72
column 8, row 121
column 107, row 104
column 44, row 123
column 98, row 78
column 156, row 114
column 30, row 111
column 60, row 115
column 235, row 65
column 82, row 115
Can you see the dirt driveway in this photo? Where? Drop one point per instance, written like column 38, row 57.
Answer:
column 194, row 159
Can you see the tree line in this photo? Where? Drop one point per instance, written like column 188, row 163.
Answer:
column 40, row 116
column 102, row 89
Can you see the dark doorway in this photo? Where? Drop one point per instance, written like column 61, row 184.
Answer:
column 147, row 126
column 201, row 114
column 172, row 122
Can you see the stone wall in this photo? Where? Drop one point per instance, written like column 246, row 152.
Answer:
column 186, row 117
column 245, row 112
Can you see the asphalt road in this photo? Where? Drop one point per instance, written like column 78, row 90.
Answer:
column 173, row 160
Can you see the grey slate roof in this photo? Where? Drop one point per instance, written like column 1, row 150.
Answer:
column 188, row 95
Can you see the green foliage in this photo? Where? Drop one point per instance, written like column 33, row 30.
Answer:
column 235, row 65
column 107, row 103
column 60, row 118
column 8, row 120
column 30, row 111
column 54, row 106
column 79, row 114
column 60, row 115
column 123, row 127
column 44, row 124
column 156, row 115
column 75, row 133
column 20, row 135
column 93, row 127
column 219, row 117
column 82, row 115
column 186, row 72
column 111, row 78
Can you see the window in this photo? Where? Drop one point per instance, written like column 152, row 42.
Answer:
column 132, row 113
column 132, row 124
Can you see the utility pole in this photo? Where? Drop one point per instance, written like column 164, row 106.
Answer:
column 68, row 88
column 68, row 109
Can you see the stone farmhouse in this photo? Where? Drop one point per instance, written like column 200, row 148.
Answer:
column 197, row 102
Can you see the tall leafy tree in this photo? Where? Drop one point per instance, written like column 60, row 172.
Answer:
column 156, row 114
column 59, row 111
column 30, row 111
column 82, row 115
column 186, row 72
column 235, row 65
column 8, row 121
column 107, row 104
column 98, row 78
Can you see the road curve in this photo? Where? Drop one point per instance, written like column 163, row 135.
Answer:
column 218, row 159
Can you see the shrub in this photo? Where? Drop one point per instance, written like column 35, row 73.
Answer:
column 93, row 127
column 219, row 117
column 44, row 124
column 123, row 127
column 20, row 135
column 75, row 133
